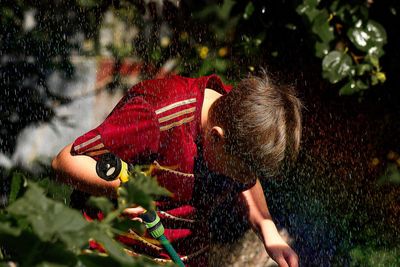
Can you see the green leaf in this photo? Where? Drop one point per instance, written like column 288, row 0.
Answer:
column 308, row 9
column 140, row 190
column 322, row 28
column 248, row 11
column 125, row 224
column 113, row 248
column 348, row 89
column 321, row 49
column 87, row 3
column 224, row 11
column 368, row 37
column 15, row 186
column 336, row 66
column 361, row 69
column 391, row 175
column 361, row 85
column 50, row 219
column 6, row 228
column 378, row 77
column 102, row 203
column 381, row 76
column 220, row 64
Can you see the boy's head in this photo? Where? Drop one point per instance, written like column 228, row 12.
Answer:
column 253, row 128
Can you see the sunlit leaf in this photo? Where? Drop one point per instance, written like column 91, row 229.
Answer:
column 368, row 36
column 336, row 66
column 50, row 219
column 381, row 76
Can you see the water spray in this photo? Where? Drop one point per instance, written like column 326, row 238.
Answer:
column 110, row 168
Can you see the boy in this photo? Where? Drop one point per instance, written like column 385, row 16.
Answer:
column 218, row 139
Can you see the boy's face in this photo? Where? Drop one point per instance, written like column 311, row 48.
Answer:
column 219, row 160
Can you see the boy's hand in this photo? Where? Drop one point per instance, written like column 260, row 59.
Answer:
column 134, row 212
column 279, row 250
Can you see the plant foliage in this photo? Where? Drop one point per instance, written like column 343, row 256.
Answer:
column 36, row 230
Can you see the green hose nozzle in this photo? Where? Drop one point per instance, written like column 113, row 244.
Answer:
column 156, row 230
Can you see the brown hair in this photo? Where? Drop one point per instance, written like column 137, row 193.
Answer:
column 262, row 123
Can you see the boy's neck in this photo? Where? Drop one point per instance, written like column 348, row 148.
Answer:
column 210, row 96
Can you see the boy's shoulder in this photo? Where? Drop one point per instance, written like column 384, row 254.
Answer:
column 173, row 85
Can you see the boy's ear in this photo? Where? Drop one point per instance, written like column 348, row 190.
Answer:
column 217, row 134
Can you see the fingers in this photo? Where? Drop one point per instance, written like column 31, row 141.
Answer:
column 133, row 212
column 287, row 258
column 293, row 260
column 281, row 262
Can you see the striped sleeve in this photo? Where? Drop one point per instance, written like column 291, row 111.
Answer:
column 176, row 114
column 131, row 132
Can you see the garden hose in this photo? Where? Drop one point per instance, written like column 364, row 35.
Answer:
column 156, row 230
column 109, row 167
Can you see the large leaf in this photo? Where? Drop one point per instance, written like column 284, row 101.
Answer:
column 368, row 37
column 50, row 219
column 309, row 9
column 140, row 190
column 113, row 249
column 336, row 66
column 322, row 28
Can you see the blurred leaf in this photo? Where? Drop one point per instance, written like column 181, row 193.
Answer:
column 361, row 85
column 50, row 219
column 321, row 27
column 372, row 256
column 336, row 66
column 16, row 182
column 361, row 69
column 225, row 9
column 114, row 249
column 220, row 64
column 348, row 89
column 248, row 11
column 88, row 3
column 391, row 175
column 125, row 224
column 96, row 260
column 321, row 49
column 102, row 203
column 309, row 9
column 6, row 228
column 381, row 76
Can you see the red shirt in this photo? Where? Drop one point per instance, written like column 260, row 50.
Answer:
column 160, row 120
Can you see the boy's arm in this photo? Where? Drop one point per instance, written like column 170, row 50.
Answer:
column 262, row 223
column 79, row 171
